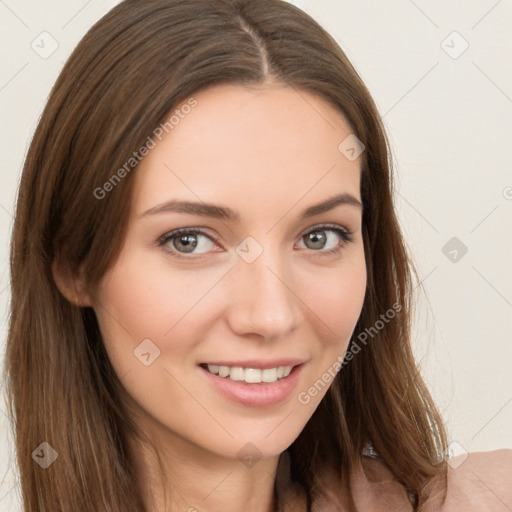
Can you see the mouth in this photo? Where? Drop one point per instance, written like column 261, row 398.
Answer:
column 253, row 383
column 249, row 375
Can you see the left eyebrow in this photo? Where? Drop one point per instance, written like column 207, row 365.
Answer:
column 331, row 203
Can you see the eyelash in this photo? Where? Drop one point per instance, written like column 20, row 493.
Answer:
column 345, row 235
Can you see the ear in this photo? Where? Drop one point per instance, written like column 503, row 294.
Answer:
column 71, row 285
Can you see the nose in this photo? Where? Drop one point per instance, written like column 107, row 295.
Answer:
column 262, row 302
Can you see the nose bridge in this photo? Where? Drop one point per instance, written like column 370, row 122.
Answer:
column 262, row 302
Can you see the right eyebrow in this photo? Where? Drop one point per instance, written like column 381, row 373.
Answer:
column 193, row 208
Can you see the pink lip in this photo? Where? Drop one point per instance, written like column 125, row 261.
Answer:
column 264, row 394
column 256, row 363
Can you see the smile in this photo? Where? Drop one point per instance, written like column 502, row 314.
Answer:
column 254, row 383
column 250, row 375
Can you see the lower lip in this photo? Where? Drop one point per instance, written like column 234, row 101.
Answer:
column 264, row 394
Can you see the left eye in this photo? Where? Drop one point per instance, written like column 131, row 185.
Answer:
column 325, row 238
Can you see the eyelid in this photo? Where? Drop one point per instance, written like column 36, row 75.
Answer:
column 327, row 226
column 188, row 231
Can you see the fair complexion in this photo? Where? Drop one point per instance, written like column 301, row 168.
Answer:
column 268, row 154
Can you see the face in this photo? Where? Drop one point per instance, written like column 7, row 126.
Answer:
column 257, row 284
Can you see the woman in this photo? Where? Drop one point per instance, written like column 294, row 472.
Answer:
column 210, row 292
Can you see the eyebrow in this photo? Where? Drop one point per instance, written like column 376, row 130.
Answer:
column 226, row 213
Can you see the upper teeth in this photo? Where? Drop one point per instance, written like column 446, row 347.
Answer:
column 250, row 375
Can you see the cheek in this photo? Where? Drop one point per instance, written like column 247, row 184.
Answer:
column 336, row 304
column 337, row 296
column 137, row 301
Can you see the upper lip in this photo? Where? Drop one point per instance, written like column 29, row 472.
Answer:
column 257, row 363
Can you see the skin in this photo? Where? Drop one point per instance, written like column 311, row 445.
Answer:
column 268, row 153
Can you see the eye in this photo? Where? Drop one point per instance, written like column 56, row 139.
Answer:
column 326, row 239
column 186, row 241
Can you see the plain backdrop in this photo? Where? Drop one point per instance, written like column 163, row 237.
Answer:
column 441, row 75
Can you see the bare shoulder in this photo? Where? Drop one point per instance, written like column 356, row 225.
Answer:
column 480, row 481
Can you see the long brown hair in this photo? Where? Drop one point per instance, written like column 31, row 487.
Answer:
column 130, row 70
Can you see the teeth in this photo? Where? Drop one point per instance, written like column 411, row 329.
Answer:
column 214, row 368
column 236, row 373
column 269, row 375
column 250, row 375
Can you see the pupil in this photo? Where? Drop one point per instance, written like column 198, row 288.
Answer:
column 318, row 239
column 188, row 242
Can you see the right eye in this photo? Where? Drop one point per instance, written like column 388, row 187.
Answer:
column 186, row 241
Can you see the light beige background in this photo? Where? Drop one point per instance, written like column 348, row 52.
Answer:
column 449, row 120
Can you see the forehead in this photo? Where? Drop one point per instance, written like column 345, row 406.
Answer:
column 249, row 147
